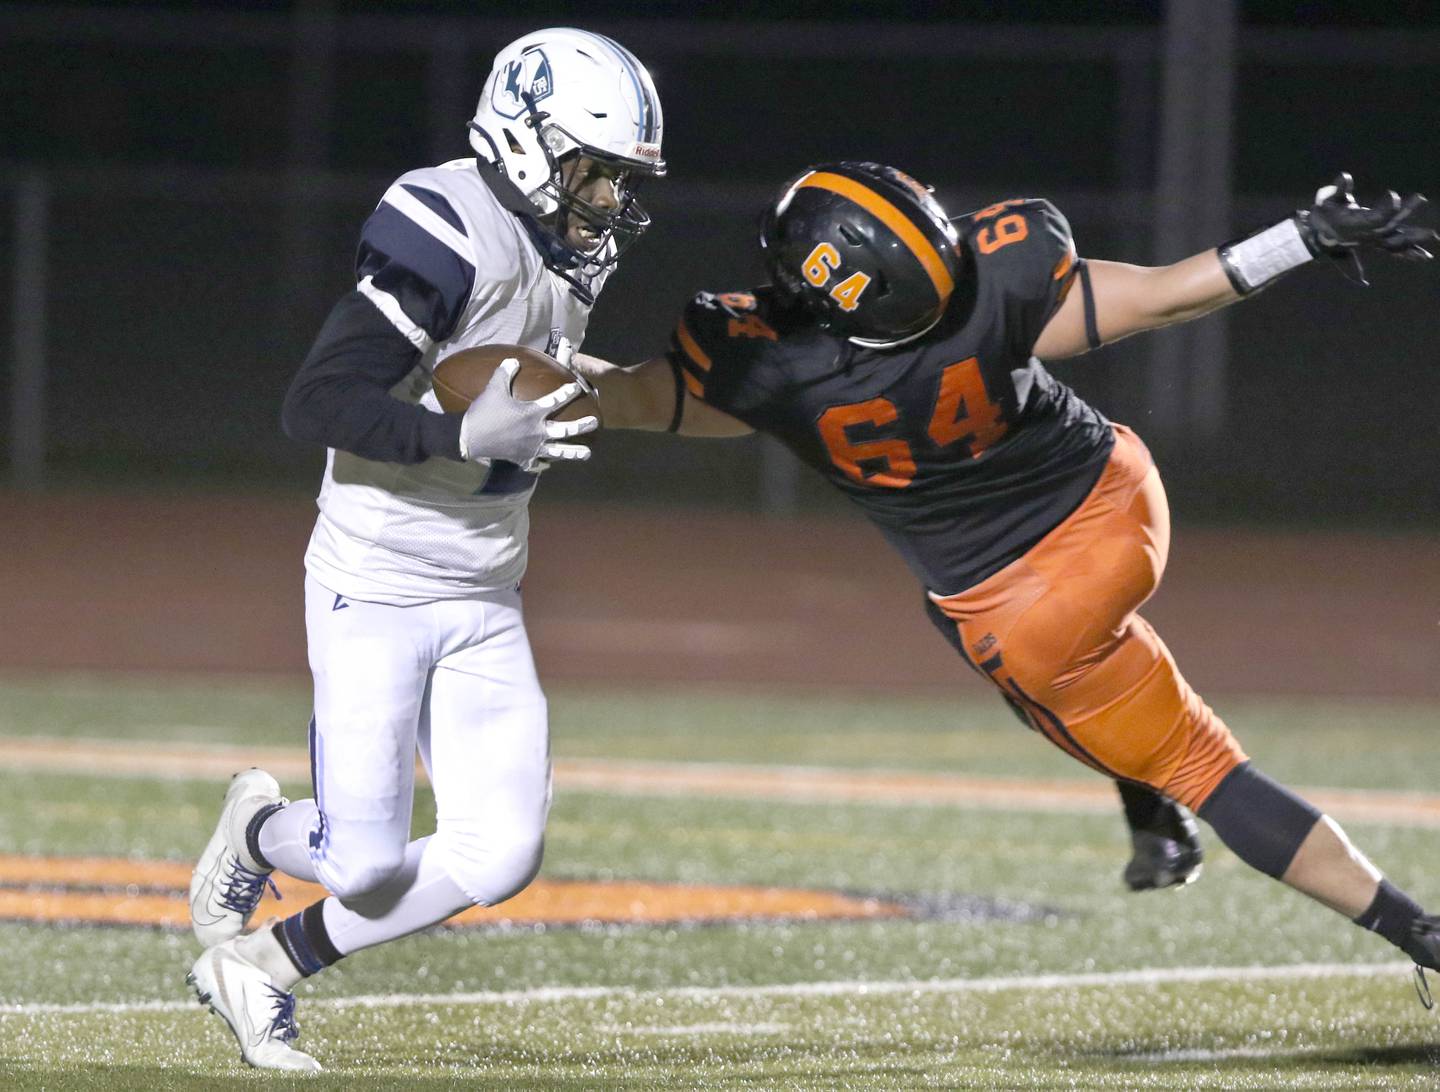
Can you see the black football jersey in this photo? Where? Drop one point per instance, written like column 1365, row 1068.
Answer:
column 960, row 446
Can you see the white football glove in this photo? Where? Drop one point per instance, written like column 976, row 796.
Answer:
column 497, row 425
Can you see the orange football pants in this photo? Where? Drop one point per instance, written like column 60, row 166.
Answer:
column 1057, row 632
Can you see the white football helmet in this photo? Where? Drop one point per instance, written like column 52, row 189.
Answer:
column 563, row 91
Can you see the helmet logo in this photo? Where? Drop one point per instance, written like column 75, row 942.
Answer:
column 528, row 75
column 817, row 268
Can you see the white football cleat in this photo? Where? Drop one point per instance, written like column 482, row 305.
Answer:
column 260, row 1013
column 228, row 882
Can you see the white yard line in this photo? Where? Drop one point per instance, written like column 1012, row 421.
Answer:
column 1148, row 977
column 681, row 1030
column 1163, row 1057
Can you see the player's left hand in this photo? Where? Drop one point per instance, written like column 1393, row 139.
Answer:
column 497, row 425
column 1338, row 226
column 554, row 450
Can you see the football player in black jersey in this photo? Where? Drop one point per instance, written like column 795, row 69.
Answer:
column 899, row 353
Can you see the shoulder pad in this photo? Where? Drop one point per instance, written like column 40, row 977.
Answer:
column 1005, row 222
column 1024, row 260
column 729, row 315
column 492, row 237
column 1021, row 238
column 735, row 304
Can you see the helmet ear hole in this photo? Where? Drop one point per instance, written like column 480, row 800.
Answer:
column 850, row 235
column 515, row 146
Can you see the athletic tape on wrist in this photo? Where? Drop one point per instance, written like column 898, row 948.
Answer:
column 1255, row 261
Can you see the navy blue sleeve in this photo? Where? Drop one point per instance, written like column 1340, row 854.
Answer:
column 341, row 395
column 428, row 278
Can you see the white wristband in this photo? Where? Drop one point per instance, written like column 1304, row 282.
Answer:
column 1259, row 259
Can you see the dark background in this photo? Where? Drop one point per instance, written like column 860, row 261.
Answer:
column 202, row 212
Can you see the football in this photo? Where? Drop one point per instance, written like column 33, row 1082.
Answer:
column 461, row 376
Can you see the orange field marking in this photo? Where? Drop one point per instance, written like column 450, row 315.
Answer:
column 116, row 891
column 111, row 758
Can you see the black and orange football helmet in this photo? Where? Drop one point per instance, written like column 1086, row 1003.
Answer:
column 865, row 249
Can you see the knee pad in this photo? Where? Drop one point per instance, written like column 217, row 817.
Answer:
column 1262, row 822
column 489, row 869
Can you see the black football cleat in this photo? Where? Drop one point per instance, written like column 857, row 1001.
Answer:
column 1424, row 948
column 1165, row 840
column 1424, row 945
column 1162, row 862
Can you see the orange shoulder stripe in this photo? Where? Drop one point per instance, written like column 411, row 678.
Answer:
column 693, row 385
column 691, row 346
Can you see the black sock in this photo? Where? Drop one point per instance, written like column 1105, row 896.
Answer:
column 305, row 940
column 252, row 833
column 1392, row 914
column 1146, row 809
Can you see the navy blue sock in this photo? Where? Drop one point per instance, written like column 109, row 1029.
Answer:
column 305, row 940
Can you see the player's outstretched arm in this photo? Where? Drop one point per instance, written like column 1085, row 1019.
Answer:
column 651, row 397
column 1129, row 299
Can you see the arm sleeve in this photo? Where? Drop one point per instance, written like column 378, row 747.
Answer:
column 415, row 273
column 692, row 363
column 341, row 395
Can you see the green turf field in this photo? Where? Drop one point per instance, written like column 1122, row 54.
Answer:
column 1026, row 966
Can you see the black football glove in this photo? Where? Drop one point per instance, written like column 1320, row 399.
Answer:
column 1338, row 227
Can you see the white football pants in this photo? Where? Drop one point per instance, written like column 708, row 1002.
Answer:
column 454, row 679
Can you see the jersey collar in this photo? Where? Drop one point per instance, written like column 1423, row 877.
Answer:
column 558, row 258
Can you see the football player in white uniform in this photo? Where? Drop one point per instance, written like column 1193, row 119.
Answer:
column 416, row 638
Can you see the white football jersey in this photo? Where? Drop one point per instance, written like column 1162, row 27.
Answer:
column 451, row 269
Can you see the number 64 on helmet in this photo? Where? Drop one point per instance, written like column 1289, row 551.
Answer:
column 865, row 248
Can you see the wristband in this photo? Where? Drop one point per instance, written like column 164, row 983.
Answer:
column 1256, row 260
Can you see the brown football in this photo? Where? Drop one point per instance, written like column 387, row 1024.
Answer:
column 461, row 376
